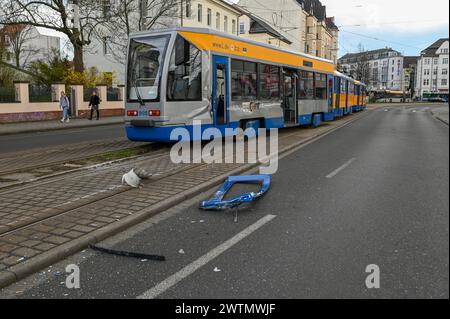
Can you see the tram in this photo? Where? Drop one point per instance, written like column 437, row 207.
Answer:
column 177, row 77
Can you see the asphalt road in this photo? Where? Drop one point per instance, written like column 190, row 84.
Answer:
column 32, row 141
column 373, row 192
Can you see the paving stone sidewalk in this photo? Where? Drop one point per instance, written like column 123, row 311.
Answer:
column 36, row 126
column 48, row 240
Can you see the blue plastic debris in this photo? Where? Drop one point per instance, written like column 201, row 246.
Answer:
column 217, row 202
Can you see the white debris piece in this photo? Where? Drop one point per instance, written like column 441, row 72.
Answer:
column 131, row 179
column 217, row 269
column 181, row 251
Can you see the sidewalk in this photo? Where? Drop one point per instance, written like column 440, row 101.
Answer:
column 441, row 113
column 38, row 126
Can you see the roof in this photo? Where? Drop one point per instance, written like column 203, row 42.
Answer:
column 359, row 54
column 315, row 8
column 431, row 50
column 331, row 24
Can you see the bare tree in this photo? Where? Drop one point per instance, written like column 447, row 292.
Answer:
column 55, row 15
column 362, row 70
column 20, row 42
column 129, row 16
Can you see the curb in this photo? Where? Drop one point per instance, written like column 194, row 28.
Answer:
column 34, row 264
column 75, row 126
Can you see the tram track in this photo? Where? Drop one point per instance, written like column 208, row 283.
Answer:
column 108, row 191
column 114, row 172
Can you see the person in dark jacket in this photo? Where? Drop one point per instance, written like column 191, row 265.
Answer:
column 94, row 105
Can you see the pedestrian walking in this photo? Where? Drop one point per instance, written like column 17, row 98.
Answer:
column 64, row 104
column 94, row 104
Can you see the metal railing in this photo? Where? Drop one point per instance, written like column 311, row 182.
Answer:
column 113, row 94
column 41, row 93
column 8, row 95
column 87, row 93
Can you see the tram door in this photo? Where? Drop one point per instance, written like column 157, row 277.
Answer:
column 290, row 97
column 220, row 98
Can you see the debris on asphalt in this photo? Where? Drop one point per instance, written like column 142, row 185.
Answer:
column 181, row 251
column 218, row 203
column 133, row 178
column 217, row 269
column 127, row 253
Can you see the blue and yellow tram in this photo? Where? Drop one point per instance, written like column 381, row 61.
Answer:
column 176, row 77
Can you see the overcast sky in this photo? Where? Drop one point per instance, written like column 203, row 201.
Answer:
column 405, row 25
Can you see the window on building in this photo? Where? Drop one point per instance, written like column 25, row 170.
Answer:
column 243, row 80
column 107, row 42
column 435, row 71
column 225, row 23
column 320, row 86
column 233, row 26
column 426, row 72
column 445, row 61
column 184, row 79
column 209, row 17
column 306, row 85
column 241, row 28
column 218, row 21
column 200, row 13
column 269, row 81
column 435, row 61
column 444, row 71
column 434, row 82
column 444, row 82
column 188, row 8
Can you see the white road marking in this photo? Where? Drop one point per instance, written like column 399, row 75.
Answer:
column 203, row 260
column 338, row 170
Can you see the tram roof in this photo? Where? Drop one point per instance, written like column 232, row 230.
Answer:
column 228, row 36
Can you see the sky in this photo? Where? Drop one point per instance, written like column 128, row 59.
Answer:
column 408, row 26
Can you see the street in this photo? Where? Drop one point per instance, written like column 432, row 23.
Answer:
column 372, row 192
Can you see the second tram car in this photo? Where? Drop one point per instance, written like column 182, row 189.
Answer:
column 181, row 75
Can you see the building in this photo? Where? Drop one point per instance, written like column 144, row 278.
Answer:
column 107, row 51
column 304, row 23
column 255, row 28
column 380, row 69
column 432, row 70
column 22, row 45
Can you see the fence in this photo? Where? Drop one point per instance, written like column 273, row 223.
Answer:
column 87, row 93
column 41, row 93
column 25, row 102
column 7, row 95
column 113, row 93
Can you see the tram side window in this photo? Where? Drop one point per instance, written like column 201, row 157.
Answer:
column 243, row 80
column 269, row 82
column 306, row 85
column 184, row 81
column 320, row 85
column 343, row 86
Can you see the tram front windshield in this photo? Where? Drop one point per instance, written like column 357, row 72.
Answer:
column 145, row 63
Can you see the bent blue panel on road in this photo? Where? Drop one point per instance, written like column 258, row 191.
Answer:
column 217, row 202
